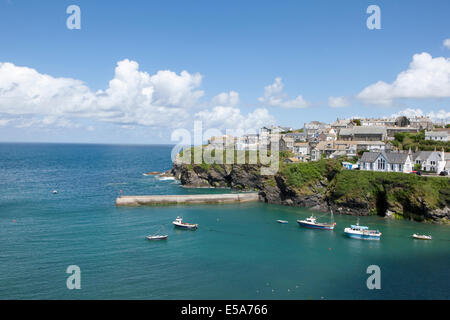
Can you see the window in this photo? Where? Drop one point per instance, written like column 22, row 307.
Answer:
column 392, row 167
column 381, row 164
column 400, row 167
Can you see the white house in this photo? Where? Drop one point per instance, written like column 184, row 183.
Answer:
column 301, row 148
column 432, row 161
column 437, row 135
column 247, row 142
column 386, row 161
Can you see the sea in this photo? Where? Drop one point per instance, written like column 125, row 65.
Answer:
column 238, row 252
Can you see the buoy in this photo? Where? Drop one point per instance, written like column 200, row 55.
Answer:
column 55, row 192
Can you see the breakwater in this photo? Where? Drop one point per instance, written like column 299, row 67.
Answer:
column 186, row 199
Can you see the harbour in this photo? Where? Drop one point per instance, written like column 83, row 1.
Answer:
column 239, row 249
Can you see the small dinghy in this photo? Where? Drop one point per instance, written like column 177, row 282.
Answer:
column 55, row 191
column 158, row 235
column 184, row 225
column 421, row 236
column 282, row 221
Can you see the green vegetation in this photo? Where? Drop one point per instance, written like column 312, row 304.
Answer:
column 406, row 140
column 406, row 193
column 303, row 175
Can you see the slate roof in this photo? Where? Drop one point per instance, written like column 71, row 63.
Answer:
column 362, row 130
column 391, row 157
column 436, row 134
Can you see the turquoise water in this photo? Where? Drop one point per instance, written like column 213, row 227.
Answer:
column 239, row 251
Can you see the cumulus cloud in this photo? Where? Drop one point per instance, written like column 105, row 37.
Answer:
column 275, row 97
column 426, row 77
column 338, row 102
column 230, row 118
column 447, row 43
column 229, row 99
column 133, row 97
column 441, row 115
column 4, row 122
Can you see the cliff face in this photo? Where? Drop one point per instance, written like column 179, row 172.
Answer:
column 323, row 186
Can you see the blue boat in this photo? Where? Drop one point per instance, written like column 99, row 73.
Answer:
column 312, row 223
column 362, row 232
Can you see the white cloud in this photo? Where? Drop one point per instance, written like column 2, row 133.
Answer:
column 230, row 118
column 132, row 98
column 230, row 99
column 338, row 102
column 275, row 97
column 4, row 122
column 447, row 43
column 426, row 77
column 440, row 115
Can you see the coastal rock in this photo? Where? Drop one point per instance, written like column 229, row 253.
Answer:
column 343, row 192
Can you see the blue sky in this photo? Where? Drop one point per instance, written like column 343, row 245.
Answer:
column 319, row 49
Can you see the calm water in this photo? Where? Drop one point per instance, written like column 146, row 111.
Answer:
column 239, row 251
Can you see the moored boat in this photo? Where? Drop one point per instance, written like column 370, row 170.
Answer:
column 362, row 232
column 312, row 223
column 184, row 225
column 157, row 237
column 282, row 221
column 421, row 236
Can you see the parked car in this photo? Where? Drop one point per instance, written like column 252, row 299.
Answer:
column 443, row 173
column 416, row 172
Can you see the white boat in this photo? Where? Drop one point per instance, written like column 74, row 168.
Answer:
column 421, row 236
column 55, row 191
column 362, row 232
column 282, row 221
column 312, row 223
column 184, row 225
column 157, row 237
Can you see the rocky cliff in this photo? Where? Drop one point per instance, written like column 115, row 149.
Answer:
column 324, row 186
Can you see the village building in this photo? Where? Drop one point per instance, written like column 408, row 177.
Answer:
column 359, row 133
column 247, row 142
column 301, row 148
column 286, row 143
column 432, row 161
column 297, row 136
column 386, row 161
column 222, row 142
column 437, row 135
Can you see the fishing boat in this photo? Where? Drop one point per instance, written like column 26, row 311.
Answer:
column 282, row 221
column 362, row 232
column 421, row 236
column 312, row 223
column 158, row 235
column 184, row 225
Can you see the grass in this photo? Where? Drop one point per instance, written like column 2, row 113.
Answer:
column 406, row 189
